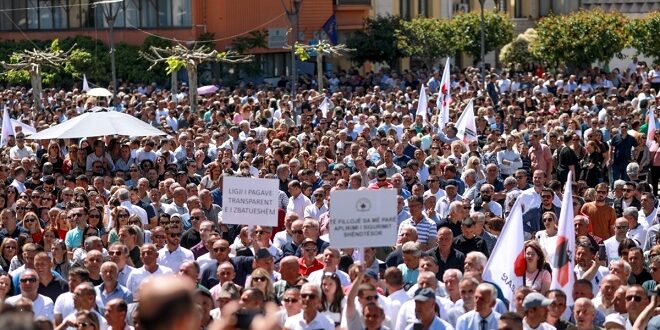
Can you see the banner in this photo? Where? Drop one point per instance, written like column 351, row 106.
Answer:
column 325, row 107
column 444, row 96
column 562, row 267
column 466, row 125
column 330, row 29
column 363, row 218
column 500, row 270
column 7, row 127
column 422, row 104
column 85, row 87
column 650, row 132
column 250, row 201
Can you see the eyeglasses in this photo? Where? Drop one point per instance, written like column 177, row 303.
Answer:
column 290, row 300
column 220, row 249
column 297, row 232
column 29, row 280
column 76, row 215
column 83, row 324
column 10, row 247
column 261, row 232
column 371, row 298
column 548, row 219
column 308, row 296
column 627, row 189
column 621, row 227
column 174, row 235
column 546, row 196
column 259, row 279
column 636, row 298
column 94, row 216
column 115, row 253
column 30, row 220
column 123, row 215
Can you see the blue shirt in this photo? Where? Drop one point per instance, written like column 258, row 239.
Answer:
column 120, row 292
column 472, row 321
column 73, row 238
column 437, row 324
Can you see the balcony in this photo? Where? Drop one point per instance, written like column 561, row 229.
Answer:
column 353, row 2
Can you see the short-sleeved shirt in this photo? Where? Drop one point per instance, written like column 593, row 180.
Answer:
column 426, row 229
column 74, row 238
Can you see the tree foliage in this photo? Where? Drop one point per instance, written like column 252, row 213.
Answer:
column 377, row 42
column 498, row 31
column 644, row 34
column 429, row 39
column 518, row 51
column 580, row 38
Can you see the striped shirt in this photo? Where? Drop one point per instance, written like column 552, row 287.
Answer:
column 426, row 229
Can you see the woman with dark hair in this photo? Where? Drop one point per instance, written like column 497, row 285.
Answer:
column 567, row 160
column 82, row 200
column 6, row 288
column 11, row 196
column 332, row 296
column 536, row 276
column 60, row 258
column 591, row 165
column 95, row 220
column 8, row 250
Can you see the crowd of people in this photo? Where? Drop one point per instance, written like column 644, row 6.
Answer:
column 117, row 232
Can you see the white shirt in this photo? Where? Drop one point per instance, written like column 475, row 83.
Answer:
column 313, row 211
column 134, row 209
column 16, row 153
column 320, row 322
column 42, row 306
column 316, row 276
column 612, row 249
column 407, row 316
column 542, row 326
column 281, row 238
column 139, row 274
column 64, row 304
column 174, row 259
column 298, row 204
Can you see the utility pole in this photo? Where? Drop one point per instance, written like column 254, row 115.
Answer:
column 293, row 14
column 483, row 45
column 110, row 15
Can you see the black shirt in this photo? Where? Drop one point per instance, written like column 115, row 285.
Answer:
column 54, row 288
column 456, row 260
column 134, row 254
column 468, row 245
column 190, row 238
column 455, row 227
column 639, row 278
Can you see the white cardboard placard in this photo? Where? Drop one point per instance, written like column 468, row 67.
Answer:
column 250, row 201
column 363, row 218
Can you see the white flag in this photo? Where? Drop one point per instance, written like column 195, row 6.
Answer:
column 7, row 127
column 422, row 104
column 510, row 246
column 325, row 106
column 25, row 128
column 562, row 266
column 85, row 84
column 444, row 97
column 466, row 126
column 650, row 132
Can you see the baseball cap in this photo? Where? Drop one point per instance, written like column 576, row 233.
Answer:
column 615, row 319
column 262, row 254
column 423, row 295
column 535, row 299
column 451, row 182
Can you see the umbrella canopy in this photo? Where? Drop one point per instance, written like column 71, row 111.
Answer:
column 207, row 89
column 98, row 124
column 99, row 92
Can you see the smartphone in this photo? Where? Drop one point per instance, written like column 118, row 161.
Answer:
column 602, row 252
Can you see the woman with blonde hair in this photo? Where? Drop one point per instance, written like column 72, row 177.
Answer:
column 33, row 226
column 475, row 163
column 457, row 150
column 260, row 279
column 120, row 217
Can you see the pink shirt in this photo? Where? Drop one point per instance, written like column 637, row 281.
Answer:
column 654, row 150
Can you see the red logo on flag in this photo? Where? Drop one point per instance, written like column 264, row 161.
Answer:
column 520, row 265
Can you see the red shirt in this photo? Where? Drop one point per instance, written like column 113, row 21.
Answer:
column 305, row 271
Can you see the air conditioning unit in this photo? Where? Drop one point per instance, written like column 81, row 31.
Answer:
column 461, row 8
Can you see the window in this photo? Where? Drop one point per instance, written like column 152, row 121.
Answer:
column 405, row 11
column 517, row 8
column 82, row 14
column 423, row 8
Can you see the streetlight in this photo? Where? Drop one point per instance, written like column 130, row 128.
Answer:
column 293, row 14
column 110, row 16
column 483, row 45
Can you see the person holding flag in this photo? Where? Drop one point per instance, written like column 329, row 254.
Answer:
column 444, row 96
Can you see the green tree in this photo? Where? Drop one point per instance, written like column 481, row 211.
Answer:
column 429, row 39
column 498, row 31
column 581, row 38
column 377, row 42
column 518, row 51
column 644, row 34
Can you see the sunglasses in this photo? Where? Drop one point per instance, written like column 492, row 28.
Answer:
column 636, row 298
column 29, row 280
column 371, row 298
column 259, row 279
column 308, row 296
column 220, row 249
column 297, row 232
column 290, row 300
column 174, row 235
